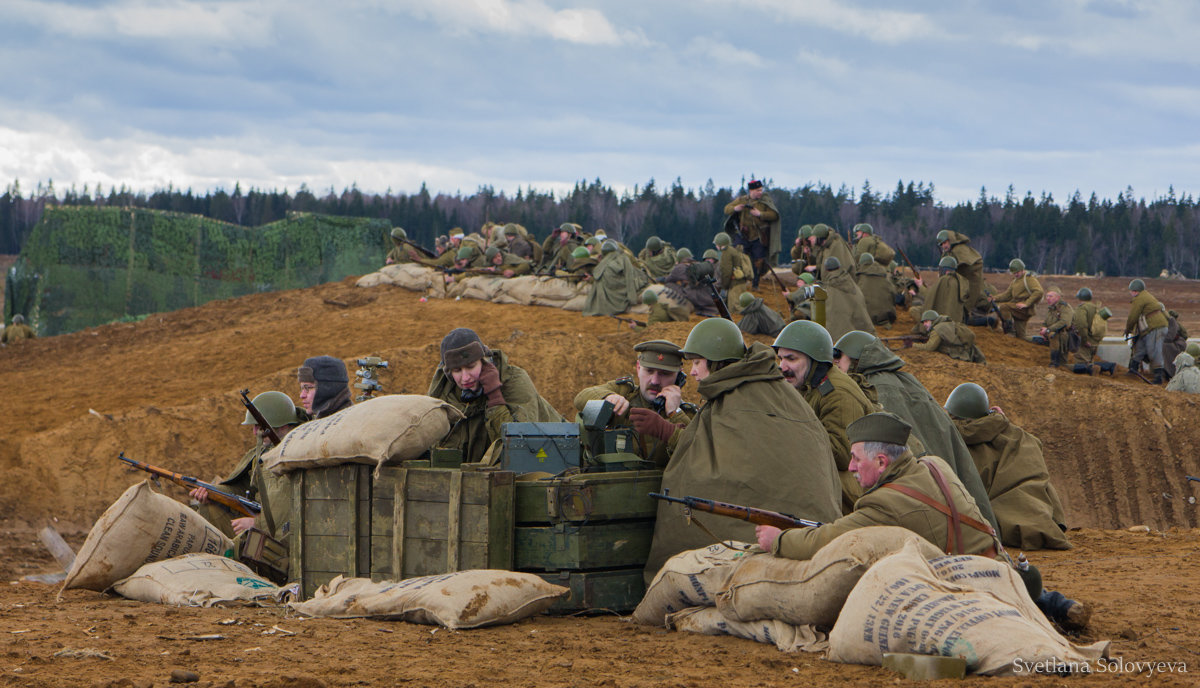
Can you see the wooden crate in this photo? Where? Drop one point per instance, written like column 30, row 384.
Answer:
column 618, row 590
column 567, row 546
column 588, row 497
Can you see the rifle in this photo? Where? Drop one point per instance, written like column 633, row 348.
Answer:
column 722, row 307
column 267, row 430
column 760, row 517
column 631, row 321
column 1192, row 478
column 424, row 251
column 470, row 271
column 908, row 339
column 232, row 502
column 779, row 282
column 916, row 272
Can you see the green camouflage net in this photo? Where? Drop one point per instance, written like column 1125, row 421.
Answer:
column 85, row 266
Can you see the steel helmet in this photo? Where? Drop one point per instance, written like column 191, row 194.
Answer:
column 968, row 400
column 807, row 337
column 715, row 339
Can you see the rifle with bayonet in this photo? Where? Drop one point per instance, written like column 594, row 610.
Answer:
column 719, row 302
column 235, row 504
column 263, row 425
column 631, row 321
column 760, row 517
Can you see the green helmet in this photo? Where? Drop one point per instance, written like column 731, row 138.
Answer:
column 569, row 227
column 722, row 240
column 1193, row 350
column 866, row 259
column 948, row 262
column 608, row 246
column 821, row 230
column 807, row 337
column 711, row 253
column 807, row 278
column 654, row 244
column 853, row 342
column 592, row 241
column 806, row 231
column 491, row 253
column 649, row 298
column 715, row 339
column 511, row 229
column 1137, row 285
column 18, row 319
column 943, row 235
column 399, row 233
column 968, row 400
column 1084, row 294
column 501, row 241
column 930, row 315
column 832, row 263
column 864, row 228
column 745, row 300
column 1016, row 265
column 684, row 253
column 580, row 253
column 464, row 253
column 1104, row 313
column 276, row 407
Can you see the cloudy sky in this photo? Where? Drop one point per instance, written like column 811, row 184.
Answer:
column 1046, row 95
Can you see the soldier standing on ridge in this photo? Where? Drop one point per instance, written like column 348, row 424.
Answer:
column 752, row 222
column 1147, row 323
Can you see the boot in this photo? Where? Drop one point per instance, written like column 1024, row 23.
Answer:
column 1108, row 367
column 1009, row 327
column 1055, row 359
column 1081, row 369
column 1160, row 376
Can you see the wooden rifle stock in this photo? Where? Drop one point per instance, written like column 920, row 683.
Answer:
column 722, row 307
column 916, row 272
column 257, row 415
column 760, row 517
column 232, row 502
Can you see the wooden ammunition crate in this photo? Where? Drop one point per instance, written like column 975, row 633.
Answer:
column 618, row 590
column 419, row 521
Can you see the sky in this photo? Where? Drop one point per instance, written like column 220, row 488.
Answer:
column 1044, row 95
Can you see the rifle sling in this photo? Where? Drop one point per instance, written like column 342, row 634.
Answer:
column 954, row 518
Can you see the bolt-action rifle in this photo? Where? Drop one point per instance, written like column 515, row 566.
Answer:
column 722, row 307
column 760, row 517
column 263, row 425
column 916, row 272
column 907, row 339
column 631, row 321
column 235, row 504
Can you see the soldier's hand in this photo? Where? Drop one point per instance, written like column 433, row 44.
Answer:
column 674, row 398
column 620, row 403
column 1022, row 306
column 489, row 380
column 756, row 212
column 199, row 494
column 509, row 273
column 241, row 525
column 738, row 208
column 766, row 536
column 647, row 422
column 389, row 261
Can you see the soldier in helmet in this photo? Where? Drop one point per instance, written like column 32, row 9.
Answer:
column 658, row 257
column 324, row 386
column 752, row 222
column 672, row 307
column 799, row 301
column 617, row 282
column 1090, row 327
column 753, row 441
column 877, row 289
column 826, row 244
column 1147, row 325
column 969, row 263
column 519, row 244
column 805, row 352
column 845, row 306
column 401, row 252
column 686, row 279
column 1187, row 376
column 950, row 292
column 735, row 271
column 945, row 336
column 18, row 331
column 1018, row 303
column 1174, row 343
column 868, row 243
column 757, row 317
column 1013, row 470
column 801, row 249
column 1057, row 328
column 248, row 477
column 650, row 401
column 506, row 264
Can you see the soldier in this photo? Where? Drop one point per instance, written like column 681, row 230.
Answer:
column 674, row 308
column 752, row 220
column 735, row 271
column 867, row 243
column 506, row 264
column 249, row 479
column 685, row 278
column 466, row 258
column 1187, row 377
column 1174, row 343
column 18, row 331
column 753, row 441
column 1090, row 328
column 658, row 257
column 1013, row 470
column 617, row 283
column 877, row 290
column 805, row 352
column 401, row 252
column 520, row 244
column 953, row 339
column 829, row 243
column 580, row 265
column 922, row 495
column 757, row 317
column 324, row 386
column 1147, row 323
column 800, row 303
column 488, row 390
column 970, row 263
column 1057, row 328
column 902, row 394
column 651, row 402
column 845, row 307
column 1193, row 349
column 801, row 249
column 1018, row 303
column 950, row 292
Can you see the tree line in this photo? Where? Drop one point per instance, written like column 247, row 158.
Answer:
column 1125, row 236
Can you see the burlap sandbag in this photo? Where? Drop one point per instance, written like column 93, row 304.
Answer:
column 415, row 277
column 463, row 599
column 576, row 303
column 901, row 605
column 550, row 291
column 140, row 527
column 813, row 591
column 198, row 580
column 689, row 579
column 373, row 279
column 786, row 637
column 518, row 290
column 378, row 431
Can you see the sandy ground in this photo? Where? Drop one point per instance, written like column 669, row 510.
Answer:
column 164, row 390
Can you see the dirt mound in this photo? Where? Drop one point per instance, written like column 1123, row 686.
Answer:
column 164, row 391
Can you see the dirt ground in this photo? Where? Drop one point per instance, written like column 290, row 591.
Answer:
column 164, row 390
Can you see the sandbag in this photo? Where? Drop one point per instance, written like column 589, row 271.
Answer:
column 373, row 279
column 517, row 290
column 198, row 580
column 577, row 303
column 813, row 591
column 550, row 291
column 901, row 605
column 415, row 277
column 142, row 526
column 689, row 579
column 463, row 599
column 379, row 431
column 786, row 637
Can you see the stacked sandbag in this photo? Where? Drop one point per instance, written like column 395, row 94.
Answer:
column 518, row 290
column 785, row 636
column 560, row 293
column 411, row 276
column 198, row 580
column 479, row 287
column 463, row 599
column 902, row 605
column 379, row 431
column 690, row 579
column 142, row 526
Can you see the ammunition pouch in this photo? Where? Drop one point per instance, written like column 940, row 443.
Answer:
column 265, row 555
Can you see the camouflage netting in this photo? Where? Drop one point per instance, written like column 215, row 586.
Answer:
column 84, row 266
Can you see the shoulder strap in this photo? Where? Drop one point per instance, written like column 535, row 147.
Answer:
column 955, row 519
